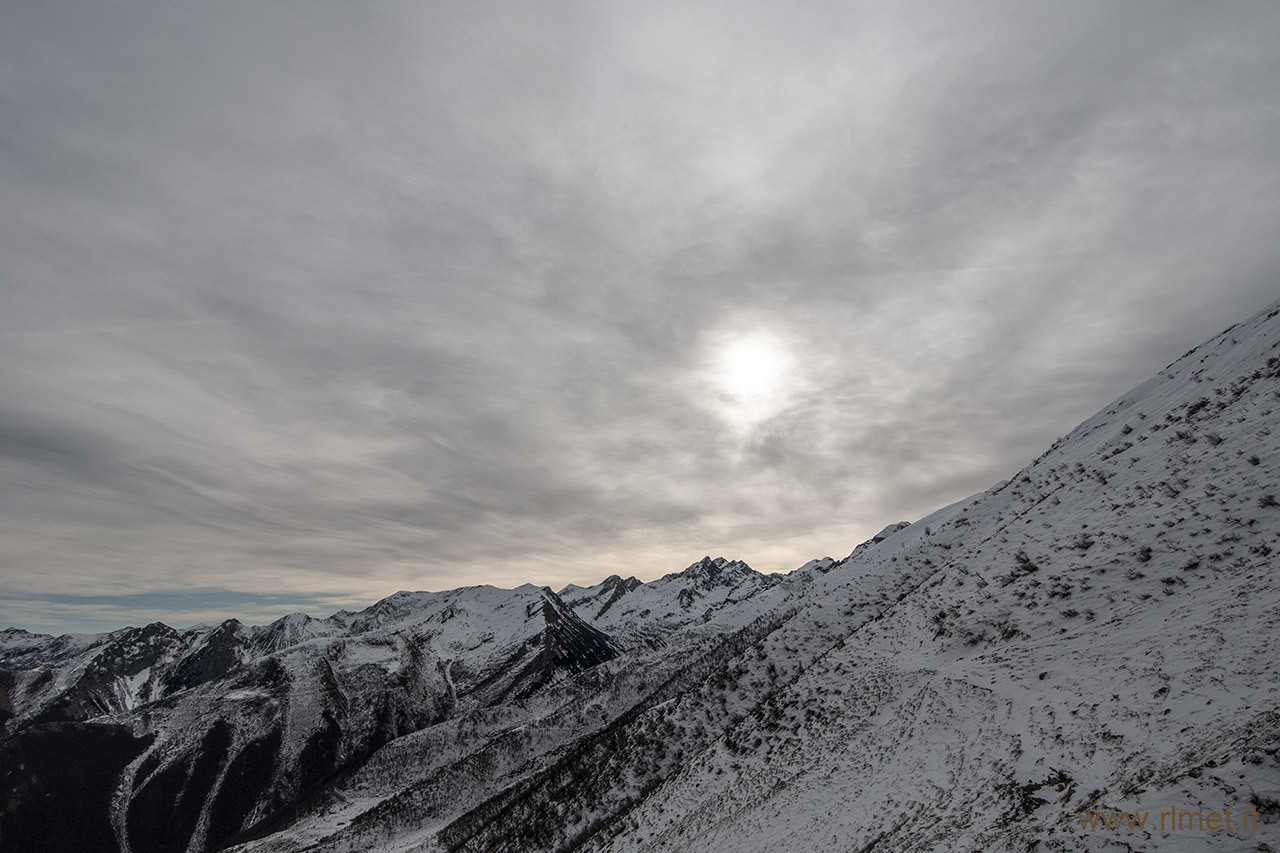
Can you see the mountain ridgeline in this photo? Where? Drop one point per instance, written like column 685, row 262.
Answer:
column 1097, row 634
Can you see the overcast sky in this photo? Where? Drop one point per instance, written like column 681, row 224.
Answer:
column 301, row 304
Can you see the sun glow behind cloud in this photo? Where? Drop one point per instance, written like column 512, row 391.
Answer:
column 752, row 374
column 753, row 368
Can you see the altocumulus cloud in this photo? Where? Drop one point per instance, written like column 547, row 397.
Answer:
column 305, row 303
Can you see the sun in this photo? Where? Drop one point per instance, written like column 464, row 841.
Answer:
column 752, row 369
column 748, row 372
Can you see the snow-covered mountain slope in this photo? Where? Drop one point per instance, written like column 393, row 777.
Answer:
column 1097, row 634
column 250, row 719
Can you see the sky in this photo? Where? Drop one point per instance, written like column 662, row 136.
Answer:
column 305, row 303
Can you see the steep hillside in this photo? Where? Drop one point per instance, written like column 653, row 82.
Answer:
column 1096, row 635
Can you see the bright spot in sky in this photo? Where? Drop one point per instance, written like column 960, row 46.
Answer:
column 752, row 374
column 752, row 368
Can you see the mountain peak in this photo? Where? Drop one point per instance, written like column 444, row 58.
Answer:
column 717, row 571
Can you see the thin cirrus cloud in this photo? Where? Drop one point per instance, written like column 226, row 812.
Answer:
column 303, row 304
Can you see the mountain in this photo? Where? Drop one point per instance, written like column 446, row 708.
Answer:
column 1095, row 636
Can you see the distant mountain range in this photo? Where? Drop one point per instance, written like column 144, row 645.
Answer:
column 1095, row 636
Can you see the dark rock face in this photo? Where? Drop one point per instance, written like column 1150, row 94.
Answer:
column 159, row 821
column 567, row 644
column 573, row 644
column 217, row 657
column 322, row 754
column 122, row 655
column 6, row 704
column 247, row 778
column 56, row 782
column 616, row 588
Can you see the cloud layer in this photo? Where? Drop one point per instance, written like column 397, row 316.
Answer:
column 304, row 303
